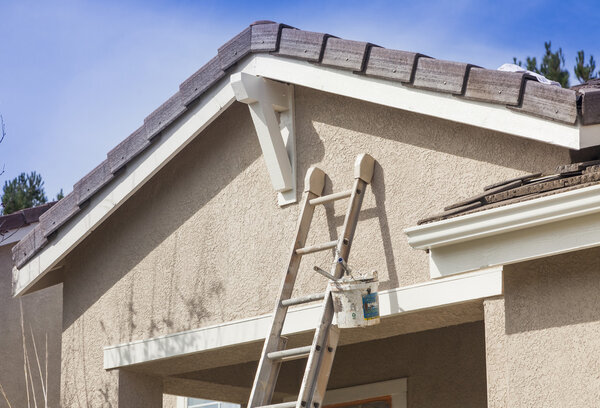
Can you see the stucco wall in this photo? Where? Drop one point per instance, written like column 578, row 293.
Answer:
column 42, row 315
column 542, row 338
column 205, row 242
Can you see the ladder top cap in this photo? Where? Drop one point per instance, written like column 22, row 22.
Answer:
column 314, row 181
column 363, row 167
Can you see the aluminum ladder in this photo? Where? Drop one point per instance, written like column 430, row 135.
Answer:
column 322, row 351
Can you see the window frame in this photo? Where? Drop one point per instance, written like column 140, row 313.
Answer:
column 394, row 389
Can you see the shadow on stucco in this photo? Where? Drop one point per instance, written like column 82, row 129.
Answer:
column 434, row 134
column 154, row 205
column 557, row 291
column 157, row 205
column 110, row 255
column 377, row 188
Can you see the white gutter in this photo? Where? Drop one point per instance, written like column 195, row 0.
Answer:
column 551, row 225
column 443, row 292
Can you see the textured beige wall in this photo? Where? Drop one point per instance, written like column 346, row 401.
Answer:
column 205, row 242
column 444, row 367
column 42, row 314
column 542, row 338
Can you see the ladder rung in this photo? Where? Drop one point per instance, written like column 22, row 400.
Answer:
column 316, row 248
column 330, row 197
column 290, row 404
column 290, row 354
column 303, row 299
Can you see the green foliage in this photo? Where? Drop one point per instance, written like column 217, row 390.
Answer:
column 584, row 72
column 530, row 64
column 60, row 195
column 24, row 191
column 552, row 65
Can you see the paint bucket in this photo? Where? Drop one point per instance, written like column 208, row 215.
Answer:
column 355, row 300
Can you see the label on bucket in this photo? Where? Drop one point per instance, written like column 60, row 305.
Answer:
column 370, row 306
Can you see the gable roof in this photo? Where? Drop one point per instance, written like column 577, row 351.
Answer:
column 515, row 91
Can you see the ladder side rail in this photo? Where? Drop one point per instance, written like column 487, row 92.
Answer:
column 274, row 373
column 326, row 364
column 266, row 374
column 313, row 367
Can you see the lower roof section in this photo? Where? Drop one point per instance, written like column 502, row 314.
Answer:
column 537, row 228
column 454, row 290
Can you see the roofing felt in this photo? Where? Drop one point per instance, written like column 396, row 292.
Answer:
column 527, row 187
column 516, row 91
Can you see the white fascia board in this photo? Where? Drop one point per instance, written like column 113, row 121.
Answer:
column 445, row 106
column 134, row 176
column 546, row 226
column 15, row 235
column 527, row 244
column 431, row 294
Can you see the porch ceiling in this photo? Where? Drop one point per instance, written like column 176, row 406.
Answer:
column 396, row 356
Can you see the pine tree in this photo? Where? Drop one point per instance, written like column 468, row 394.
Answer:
column 582, row 71
column 24, row 191
column 60, row 195
column 552, row 65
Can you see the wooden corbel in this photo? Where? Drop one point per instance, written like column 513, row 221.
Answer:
column 271, row 106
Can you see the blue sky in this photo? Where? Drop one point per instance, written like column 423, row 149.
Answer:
column 77, row 77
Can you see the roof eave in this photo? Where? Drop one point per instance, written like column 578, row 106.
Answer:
column 441, row 105
column 541, row 227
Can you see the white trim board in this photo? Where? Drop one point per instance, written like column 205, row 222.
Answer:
column 546, row 226
column 221, row 95
column 456, row 289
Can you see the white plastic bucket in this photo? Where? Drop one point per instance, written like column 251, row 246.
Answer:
column 355, row 302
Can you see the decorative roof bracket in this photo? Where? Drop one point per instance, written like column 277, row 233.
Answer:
column 271, row 106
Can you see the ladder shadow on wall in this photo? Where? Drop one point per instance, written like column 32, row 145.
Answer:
column 377, row 188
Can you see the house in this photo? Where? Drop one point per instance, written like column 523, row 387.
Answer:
column 171, row 251
column 35, row 317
